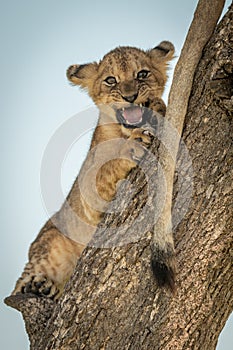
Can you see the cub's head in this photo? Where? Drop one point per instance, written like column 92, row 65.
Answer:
column 127, row 78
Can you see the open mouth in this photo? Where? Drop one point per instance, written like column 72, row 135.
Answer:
column 133, row 115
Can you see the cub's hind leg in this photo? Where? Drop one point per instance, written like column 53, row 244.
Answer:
column 52, row 259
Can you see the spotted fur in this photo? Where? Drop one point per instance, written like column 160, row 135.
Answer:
column 126, row 77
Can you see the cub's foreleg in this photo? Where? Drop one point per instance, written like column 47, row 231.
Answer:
column 52, row 259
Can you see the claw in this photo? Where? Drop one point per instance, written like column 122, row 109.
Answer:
column 146, row 132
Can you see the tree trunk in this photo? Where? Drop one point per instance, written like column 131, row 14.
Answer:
column 112, row 301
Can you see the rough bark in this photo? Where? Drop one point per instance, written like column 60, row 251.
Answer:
column 112, row 302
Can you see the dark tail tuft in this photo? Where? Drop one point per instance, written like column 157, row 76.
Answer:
column 164, row 268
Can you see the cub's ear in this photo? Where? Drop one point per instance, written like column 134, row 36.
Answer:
column 82, row 74
column 163, row 52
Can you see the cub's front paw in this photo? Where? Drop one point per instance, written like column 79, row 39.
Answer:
column 135, row 147
column 41, row 286
column 158, row 106
column 142, row 136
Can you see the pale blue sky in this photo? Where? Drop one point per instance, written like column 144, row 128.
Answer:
column 39, row 40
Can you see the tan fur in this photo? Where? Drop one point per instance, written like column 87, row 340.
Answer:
column 113, row 153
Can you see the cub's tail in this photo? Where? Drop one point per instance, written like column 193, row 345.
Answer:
column 163, row 263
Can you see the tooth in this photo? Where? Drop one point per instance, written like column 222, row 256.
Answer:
column 123, row 109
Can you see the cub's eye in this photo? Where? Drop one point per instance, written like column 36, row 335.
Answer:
column 110, row 80
column 142, row 74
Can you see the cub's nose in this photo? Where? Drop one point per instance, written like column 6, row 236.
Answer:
column 131, row 98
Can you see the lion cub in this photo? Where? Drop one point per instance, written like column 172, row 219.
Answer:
column 126, row 84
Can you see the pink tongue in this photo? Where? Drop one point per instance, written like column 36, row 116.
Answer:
column 132, row 115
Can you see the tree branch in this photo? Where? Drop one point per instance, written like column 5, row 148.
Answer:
column 202, row 27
